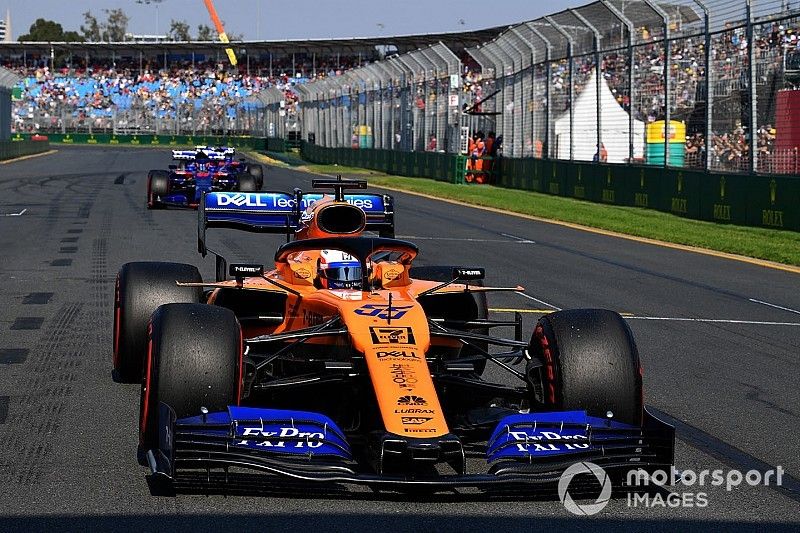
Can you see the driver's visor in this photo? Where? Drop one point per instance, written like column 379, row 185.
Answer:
column 342, row 272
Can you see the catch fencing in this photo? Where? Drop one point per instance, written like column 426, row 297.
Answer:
column 694, row 84
column 7, row 82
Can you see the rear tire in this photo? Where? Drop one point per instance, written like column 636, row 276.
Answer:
column 257, row 171
column 157, row 186
column 247, row 183
column 140, row 289
column 591, row 363
column 194, row 361
column 464, row 306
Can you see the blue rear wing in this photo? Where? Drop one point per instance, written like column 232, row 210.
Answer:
column 184, row 155
column 280, row 212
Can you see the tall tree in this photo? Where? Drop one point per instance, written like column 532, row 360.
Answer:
column 205, row 33
column 49, row 30
column 113, row 29
column 116, row 25
column 179, row 30
column 91, row 28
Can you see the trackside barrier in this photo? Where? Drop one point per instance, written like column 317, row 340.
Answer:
column 745, row 199
column 12, row 149
column 252, row 143
column 434, row 165
column 762, row 200
column 275, row 144
column 771, row 201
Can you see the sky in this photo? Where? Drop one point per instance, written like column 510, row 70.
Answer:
column 295, row 19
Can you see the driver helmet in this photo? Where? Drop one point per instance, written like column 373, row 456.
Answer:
column 339, row 270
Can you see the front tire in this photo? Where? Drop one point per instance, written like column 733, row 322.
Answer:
column 194, row 360
column 157, row 186
column 591, row 363
column 140, row 288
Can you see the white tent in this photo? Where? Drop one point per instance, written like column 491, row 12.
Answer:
column 614, row 123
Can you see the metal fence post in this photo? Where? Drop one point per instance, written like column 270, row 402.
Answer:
column 598, row 77
column 667, row 62
column 571, row 62
column 753, row 98
column 629, row 45
column 549, row 75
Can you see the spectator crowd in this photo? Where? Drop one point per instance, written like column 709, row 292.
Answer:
column 207, row 97
column 186, row 96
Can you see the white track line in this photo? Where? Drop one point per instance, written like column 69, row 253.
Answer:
column 537, row 300
column 457, row 239
column 16, row 214
column 795, row 311
column 518, row 239
column 712, row 320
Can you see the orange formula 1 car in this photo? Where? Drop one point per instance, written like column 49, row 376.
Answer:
column 347, row 364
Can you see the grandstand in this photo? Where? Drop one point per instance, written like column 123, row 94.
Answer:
column 600, row 79
column 596, row 82
column 180, row 87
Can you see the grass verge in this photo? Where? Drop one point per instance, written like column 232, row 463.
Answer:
column 338, row 169
column 761, row 243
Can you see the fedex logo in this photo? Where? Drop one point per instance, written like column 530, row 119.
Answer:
column 310, row 439
column 382, row 311
column 525, row 441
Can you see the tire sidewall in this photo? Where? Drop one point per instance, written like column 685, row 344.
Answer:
column 194, row 360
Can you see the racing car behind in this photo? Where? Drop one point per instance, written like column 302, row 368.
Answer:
column 199, row 171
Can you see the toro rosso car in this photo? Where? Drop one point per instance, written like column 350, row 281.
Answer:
column 226, row 161
column 197, row 172
column 346, row 364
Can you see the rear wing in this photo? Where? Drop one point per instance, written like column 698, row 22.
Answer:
column 184, row 155
column 280, row 212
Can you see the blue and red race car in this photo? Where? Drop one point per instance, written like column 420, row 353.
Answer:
column 204, row 169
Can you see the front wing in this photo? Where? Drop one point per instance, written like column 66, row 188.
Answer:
column 526, row 449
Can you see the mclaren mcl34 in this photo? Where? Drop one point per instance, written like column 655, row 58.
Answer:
column 346, row 364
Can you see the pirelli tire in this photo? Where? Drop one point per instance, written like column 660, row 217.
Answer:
column 194, row 361
column 590, row 362
column 140, row 288
column 257, row 171
column 157, row 187
column 457, row 307
column 248, row 183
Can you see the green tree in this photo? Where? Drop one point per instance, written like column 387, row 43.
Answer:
column 113, row 29
column 49, row 30
column 91, row 28
column 116, row 25
column 205, row 33
column 179, row 30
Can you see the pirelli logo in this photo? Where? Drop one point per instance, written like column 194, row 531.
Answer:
column 390, row 335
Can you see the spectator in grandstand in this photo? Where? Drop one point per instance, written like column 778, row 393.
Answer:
column 203, row 96
column 432, row 143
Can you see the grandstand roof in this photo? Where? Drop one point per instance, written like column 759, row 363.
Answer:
column 402, row 43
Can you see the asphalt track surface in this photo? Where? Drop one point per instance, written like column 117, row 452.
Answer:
column 719, row 339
